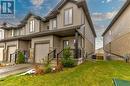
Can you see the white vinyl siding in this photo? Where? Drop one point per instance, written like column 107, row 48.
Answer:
column 68, row 16
column 32, row 26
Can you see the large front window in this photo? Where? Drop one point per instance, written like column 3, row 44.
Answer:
column 68, row 16
column 32, row 25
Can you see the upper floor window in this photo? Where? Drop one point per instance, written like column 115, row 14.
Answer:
column 1, row 34
column 16, row 32
column 12, row 32
column 54, row 24
column 68, row 16
column 32, row 26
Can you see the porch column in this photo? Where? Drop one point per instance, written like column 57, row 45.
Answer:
column 76, row 45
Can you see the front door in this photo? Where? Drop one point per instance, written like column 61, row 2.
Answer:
column 11, row 50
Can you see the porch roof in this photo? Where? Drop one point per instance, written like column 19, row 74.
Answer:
column 61, row 32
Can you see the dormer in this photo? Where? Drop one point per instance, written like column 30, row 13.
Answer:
column 32, row 23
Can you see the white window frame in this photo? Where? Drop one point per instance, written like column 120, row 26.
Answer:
column 32, row 25
column 1, row 34
column 65, row 43
column 12, row 33
column 68, row 16
column 54, row 23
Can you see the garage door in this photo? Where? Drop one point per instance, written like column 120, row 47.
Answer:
column 41, row 51
column 11, row 50
column 1, row 54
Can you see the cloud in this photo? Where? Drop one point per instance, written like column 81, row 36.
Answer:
column 103, row 16
column 37, row 3
column 108, row 1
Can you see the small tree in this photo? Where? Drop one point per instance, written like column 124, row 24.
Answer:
column 21, row 58
column 67, row 60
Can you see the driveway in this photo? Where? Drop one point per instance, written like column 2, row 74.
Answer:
column 12, row 70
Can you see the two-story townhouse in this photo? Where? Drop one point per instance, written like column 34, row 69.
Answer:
column 117, row 35
column 68, row 24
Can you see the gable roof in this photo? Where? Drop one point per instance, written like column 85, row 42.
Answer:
column 55, row 11
column 24, row 21
column 117, row 16
column 31, row 14
column 79, row 3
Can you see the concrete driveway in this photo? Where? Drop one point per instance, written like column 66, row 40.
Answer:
column 15, row 69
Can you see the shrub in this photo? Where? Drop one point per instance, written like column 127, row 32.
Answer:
column 48, row 69
column 68, row 63
column 21, row 58
column 67, row 60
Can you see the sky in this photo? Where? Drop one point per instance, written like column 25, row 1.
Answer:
column 101, row 12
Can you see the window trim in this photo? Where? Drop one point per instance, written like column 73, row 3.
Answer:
column 65, row 41
column 53, row 23
column 2, row 34
column 33, row 29
column 72, row 16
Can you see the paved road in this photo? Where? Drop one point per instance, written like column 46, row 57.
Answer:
column 12, row 70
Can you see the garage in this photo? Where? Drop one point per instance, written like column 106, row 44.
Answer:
column 11, row 50
column 1, row 53
column 41, row 52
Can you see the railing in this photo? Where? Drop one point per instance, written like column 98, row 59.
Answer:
column 60, row 54
column 51, row 55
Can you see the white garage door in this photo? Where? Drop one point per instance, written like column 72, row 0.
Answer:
column 41, row 51
column 1, row 54
column 11, row 50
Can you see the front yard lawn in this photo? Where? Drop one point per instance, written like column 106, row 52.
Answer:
column 91, row 73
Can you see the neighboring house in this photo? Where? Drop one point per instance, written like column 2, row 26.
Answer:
column 100, row 53
column 117, row 35
column 68, row 24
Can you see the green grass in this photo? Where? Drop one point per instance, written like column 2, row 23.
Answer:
column 90, row 73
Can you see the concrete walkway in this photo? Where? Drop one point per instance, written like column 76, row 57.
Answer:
column 12, row 70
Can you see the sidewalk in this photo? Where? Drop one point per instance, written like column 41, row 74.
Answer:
column 12, row 70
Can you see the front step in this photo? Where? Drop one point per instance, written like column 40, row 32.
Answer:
column 53, row 63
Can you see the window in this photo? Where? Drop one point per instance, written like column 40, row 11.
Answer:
column 65, row 43
column 68, row 16
column 54, row 24
column 32, row 26
column 47, row 27
column 16, row 32
column 12, row 33
column 1, row 34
